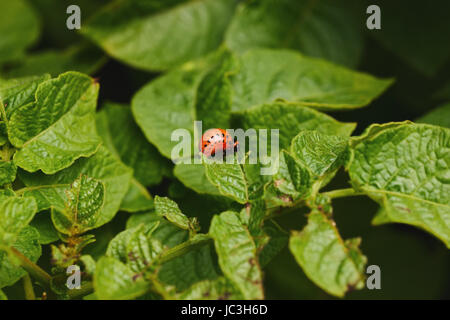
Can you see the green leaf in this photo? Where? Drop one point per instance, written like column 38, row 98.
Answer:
column 405, row 168
column 137, row 198
column 135, row 247
column 278, row 239
column 43, row 224
column 198, row 263
column 3, row 296
column 217, row 289
column 332, row 264
column 214, row 94
column 102, row 166
column 20, row 91
column 176, row 94
column 290, row 119
column 194, row 177
column 172, row 93
column 170, row 210
column 186, row 30
column 121, row 135
column 28, row 244
column 8, row 172
column 84, row 199
column 59, row 127
column 237, row 254
column 166, row 232
column 19, row 27
column 229, row 179
column 113, row 280
column 325, row 29
column 320, row 153
column 267, row 75
column 439, row 116
column 292, row 178
column 15, row 214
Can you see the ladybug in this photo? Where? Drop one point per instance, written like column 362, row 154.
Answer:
column 214, row 140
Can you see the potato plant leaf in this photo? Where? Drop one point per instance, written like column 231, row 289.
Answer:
column 405, row 168
column 332, row 264
column 290, row 119
column 318, row 152
column 113, row 280
column 237, row 254
column 323, row 29
column 170, row 210
column 27, row 243
column 267, row 75
column 102, row 166
column 15, row 214
column 84, row 199
column 186, row 30
column 59, row 127
column 19, row 28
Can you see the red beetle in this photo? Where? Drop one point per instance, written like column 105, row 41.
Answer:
column 214, row 140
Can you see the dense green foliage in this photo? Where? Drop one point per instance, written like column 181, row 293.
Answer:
column 86, row 176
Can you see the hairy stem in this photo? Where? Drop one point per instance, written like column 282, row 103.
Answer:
column 28, row 288
column 86, row 288
column 33, row 269
column 341, row 193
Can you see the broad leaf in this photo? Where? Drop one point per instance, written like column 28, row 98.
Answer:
column 170, row 210
column 28, row 244
column 292, row 179
column 8, row 172
column 137, row 198
column 290, row 119
column 122, row 137
column 113, row 280
column 405, row 168
column 268, row 75
column 19, row 27
column 102, row 166
column 229, row 179
column 214, row 94
column 43, row 224
column 84, row 200
column 59, row 127
column 15, row 214
column 217, row 289
column 320, row 153
column 325, row 29
column 167, row 233
column 168, row 104
column 332, row 264
column 19, row 91
column 194, row 177
column 136, row 248
column 237, row 254
column 185, row 30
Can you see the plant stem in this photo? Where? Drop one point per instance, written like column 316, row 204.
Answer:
column 341, row 193
column 33, row 269
column 28, row 288
column 86, row 288
column 182, row 249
